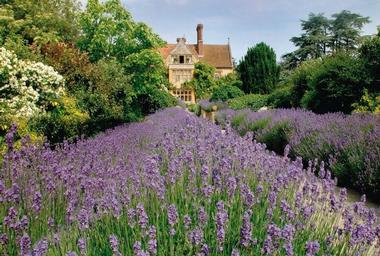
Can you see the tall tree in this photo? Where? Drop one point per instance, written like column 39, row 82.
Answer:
column 109, row 31
column 313, row 42
column 39, row 21
column 322, row 36
column 345, row 30
column 258, row 69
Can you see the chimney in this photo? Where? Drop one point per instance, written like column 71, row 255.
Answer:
column 200, row 39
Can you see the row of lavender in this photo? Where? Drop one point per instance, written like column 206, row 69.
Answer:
column 174, row 185
column 348, row 144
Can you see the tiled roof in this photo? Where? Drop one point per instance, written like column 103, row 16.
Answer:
column 218, row 56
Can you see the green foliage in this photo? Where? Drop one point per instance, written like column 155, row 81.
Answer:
column 226, row 92
column 251, row 101
column 153, row 99
column 65, row 121
column 146, row 69
column 39, row 21
column 313, row 42
column 369, row 53
column 258, row 70
column 367, row 104
column 336, row 85
column 345, row 30
column 281, row 97
column 323, row 36
column 108, row 30
column 276, row 137
column 203, row 81
column 195, row 108
column 301, row 79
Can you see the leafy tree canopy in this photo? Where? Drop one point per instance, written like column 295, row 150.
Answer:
column 39, row 21
column 323, row 36
column 108, row 30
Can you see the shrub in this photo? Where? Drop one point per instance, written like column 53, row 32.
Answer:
column 336, row 85
column 65, row 121
column 203, row 81
column 281, row 97
column 301, row 79
column 251, row 101
column 152, row 100
column 226, row 92
column 27, row 87
column 274, row 136
column 348, row 144
column 175, row 185
column 368, row 103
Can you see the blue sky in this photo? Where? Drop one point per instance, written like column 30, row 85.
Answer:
column 245, row 22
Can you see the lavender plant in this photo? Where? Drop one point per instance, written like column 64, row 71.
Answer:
column 348, row 144
column 174, row 185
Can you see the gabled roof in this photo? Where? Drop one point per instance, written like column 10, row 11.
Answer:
column 218, row 56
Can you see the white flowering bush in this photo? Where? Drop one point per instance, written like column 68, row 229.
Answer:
column 27, row 87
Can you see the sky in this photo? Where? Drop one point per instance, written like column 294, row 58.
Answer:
column 245, row 22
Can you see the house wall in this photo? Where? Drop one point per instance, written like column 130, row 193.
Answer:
column 224, row 71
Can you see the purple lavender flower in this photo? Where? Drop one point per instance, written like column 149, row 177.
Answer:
column 221, row 219
column 186, row 221
column 312, row 248
column 152, row 243
column 3, row 239
column 246, row 229
column 143, row 217
column 172, row 218
column 202, row 216
column 82, row 246
column 235, row 252
column 41, row 248
column 131, row 213
column 37, row 202
column 195, row 236
column 71, row 254
column 25, row 244
column 114, row 244
column 137, row 248
column 83, row 219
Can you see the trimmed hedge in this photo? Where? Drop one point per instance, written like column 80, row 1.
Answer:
column 251, row 101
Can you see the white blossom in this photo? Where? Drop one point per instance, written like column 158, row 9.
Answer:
column 24, row 83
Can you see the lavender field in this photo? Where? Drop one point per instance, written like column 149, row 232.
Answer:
column 349, row 145
column 174, row 185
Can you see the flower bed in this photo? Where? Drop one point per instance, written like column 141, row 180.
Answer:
column 348, row 144
column 174, row 185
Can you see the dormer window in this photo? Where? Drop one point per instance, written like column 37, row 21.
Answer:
column 181, row 59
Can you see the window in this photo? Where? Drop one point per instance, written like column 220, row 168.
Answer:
column 181, row 59
column 185, row 95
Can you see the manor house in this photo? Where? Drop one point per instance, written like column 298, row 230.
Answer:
column 181, row 57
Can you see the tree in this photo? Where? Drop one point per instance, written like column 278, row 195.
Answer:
column 345, row 30
column 258, row 70
column 336, row 85
column 39, row 21
column 203, row 81
column 323, row 36
column 369, row 52
column 108, row 30
column 313, row 42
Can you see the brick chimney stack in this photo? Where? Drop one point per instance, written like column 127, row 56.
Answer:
column 200, row 39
